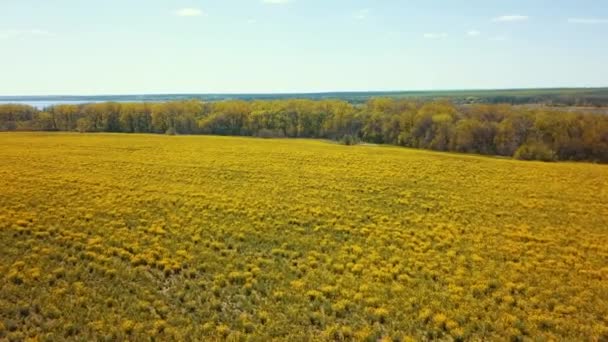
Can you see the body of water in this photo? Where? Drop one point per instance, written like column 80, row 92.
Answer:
column 45, row 104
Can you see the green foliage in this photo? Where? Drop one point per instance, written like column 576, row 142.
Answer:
column 270, row 133
column 11, row 115
column 535, row 151
column 436, row 125
column 349, row 140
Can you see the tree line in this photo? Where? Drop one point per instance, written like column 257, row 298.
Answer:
column 497, row 129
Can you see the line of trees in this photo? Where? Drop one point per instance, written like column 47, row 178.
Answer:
column 524, row 133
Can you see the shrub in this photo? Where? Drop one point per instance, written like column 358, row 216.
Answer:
column 349, row 140
column 535, row 151
column 171, row 131
column 270, row 133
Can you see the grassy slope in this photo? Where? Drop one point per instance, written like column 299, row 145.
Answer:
column 129, row 236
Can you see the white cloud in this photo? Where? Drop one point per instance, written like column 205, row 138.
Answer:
column 510, row 18
column 276, row 2
column 189, row 12
column 588, row 21
column 362, row 14
column 473, row 33
column 12, row 33
column 435, row 35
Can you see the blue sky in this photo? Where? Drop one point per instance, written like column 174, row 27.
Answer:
column 204, row 46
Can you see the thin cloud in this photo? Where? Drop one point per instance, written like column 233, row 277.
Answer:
column 510, row 18
column 13, row 33
column 189, row 12
column 473, row 33
column 252, row 21
column 588, row 21
column 435, row 35
column 276, row 2
column 362, row 14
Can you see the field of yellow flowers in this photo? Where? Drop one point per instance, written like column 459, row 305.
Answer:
column 145, row 237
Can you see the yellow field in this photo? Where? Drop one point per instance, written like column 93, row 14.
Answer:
column 145, row 237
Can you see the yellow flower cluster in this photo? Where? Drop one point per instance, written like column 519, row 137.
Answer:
column 133, row 237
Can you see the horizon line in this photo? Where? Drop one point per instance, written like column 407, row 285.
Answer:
column 308, row 92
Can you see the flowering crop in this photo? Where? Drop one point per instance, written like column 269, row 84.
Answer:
column 133, row 237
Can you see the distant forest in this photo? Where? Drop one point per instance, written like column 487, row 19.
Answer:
column 588, row 97
column 531, row 133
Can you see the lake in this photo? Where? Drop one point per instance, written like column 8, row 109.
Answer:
column 46, row 103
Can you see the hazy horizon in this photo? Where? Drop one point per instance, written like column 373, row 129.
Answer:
column 373, row 91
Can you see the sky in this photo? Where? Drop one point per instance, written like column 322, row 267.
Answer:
column 76, row 47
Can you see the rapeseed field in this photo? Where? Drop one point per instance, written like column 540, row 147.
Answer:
column 142, row 237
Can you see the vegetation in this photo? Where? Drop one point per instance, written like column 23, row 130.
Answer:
column 155, row 237
column 550, row 96
column 349, row 140
column 539, row 133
